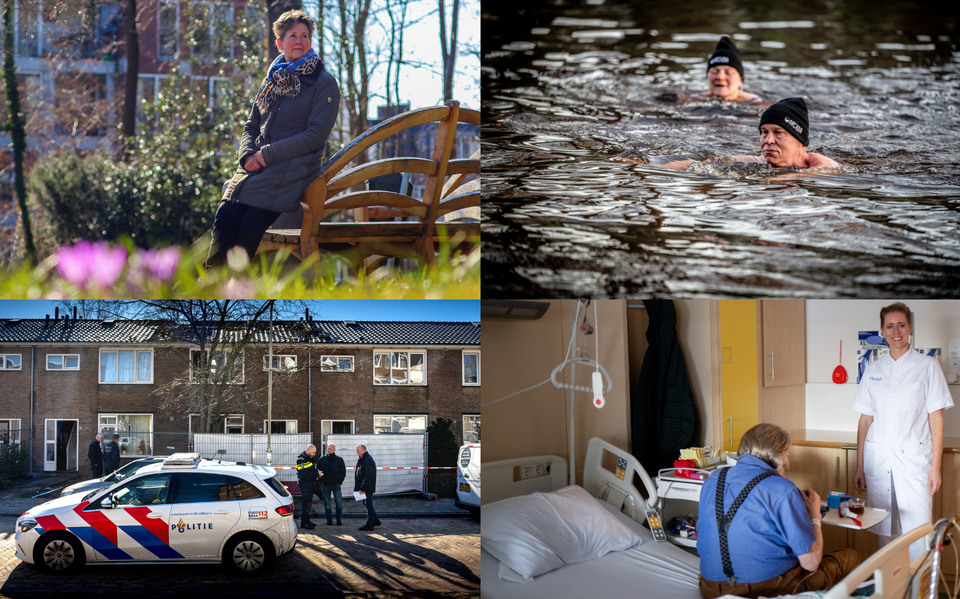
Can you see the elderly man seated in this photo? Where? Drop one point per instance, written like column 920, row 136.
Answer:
column 769, row 541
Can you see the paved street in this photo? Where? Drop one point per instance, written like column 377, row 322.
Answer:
column 424, row 557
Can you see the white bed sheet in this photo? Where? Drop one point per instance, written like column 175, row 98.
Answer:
column 652, row 570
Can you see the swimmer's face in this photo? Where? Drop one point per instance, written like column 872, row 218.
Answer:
column 724, row 81
column 779, row 148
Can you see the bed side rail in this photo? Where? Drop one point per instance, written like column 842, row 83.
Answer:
column 618, row 492
column 505, row 478
column 890, row 568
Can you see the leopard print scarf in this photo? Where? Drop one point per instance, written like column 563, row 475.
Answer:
column 283, row 79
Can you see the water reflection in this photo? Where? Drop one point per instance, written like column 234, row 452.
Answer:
column 568, row 89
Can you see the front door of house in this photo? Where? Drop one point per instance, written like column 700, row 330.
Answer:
column 61, row 444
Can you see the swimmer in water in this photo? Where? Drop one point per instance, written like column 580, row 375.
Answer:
column 784, row 137
column 725, row 76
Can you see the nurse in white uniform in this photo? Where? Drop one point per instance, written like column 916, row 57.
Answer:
column 901, row 399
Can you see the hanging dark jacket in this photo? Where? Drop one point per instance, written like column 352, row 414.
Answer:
column 365, row 476
column 664, row 412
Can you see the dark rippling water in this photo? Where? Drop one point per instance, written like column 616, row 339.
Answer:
column 568, row 86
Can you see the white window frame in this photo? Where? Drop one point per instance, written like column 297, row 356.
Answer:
column 157, row 79
column 226, row 419
column 353, row 363
column 102, row 426
column 288, row 421
column 212, row 32
column 326, row 429
column 11, row 430
column 391, row 416
column 160, row 54
column 243, row 366
column 463, row 369
column 408, row 352
column 16, row 30
column 466, row 418
column 3, row 362
column 279, row 368
column 136, row 365
column 64, row 356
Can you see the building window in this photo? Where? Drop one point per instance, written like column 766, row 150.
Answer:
column 168, row 29
column 222, row 423
column 135, row 430
column 9, row 361
column 29, row 24
column 336, row 363
column 9, row 431
column 63, row 362
column 148, row 90
column 335, row 427
column 471, row 368
column 216, row 364
column 471, row 429
column 213, row 33
column 280, row 427
column 400, row 368
column 281, row 363
column 126, row 366
column 399, row 424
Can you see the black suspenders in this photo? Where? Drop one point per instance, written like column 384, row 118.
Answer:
column 723, row 521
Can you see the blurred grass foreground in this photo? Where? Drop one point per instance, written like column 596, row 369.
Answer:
column 103, row 270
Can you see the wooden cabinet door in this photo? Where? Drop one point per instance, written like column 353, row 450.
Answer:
column 864, row 541
column 822, row 469
column 784, row 342
column 950, row 496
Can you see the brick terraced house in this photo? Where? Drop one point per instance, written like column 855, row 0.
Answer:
column 62, row 380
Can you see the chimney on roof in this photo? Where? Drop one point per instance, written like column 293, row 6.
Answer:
column 56, row 313
column 308, row 314
column 74, row 312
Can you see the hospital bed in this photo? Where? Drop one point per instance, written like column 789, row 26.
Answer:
column 654, row 570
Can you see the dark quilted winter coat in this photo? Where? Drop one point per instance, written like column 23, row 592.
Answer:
column 292, row 137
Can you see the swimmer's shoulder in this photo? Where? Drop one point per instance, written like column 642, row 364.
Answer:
column 815, row 160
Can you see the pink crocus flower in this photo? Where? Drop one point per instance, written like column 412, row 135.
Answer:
column 162, row 263
column 87, row 263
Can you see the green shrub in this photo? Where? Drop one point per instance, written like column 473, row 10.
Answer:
column 13, row 460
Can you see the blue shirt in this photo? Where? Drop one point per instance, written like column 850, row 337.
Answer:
column 771, row 528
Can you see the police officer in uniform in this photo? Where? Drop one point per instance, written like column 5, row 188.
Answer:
column 111, row 455
column 307, row 476
column 95, row 453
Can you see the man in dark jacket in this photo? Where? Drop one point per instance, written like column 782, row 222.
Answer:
column 307, row 476
column 111, row 455
column 333, row 471
column 96, row 456
column 365, row 481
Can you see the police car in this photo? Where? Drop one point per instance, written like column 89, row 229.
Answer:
column 468, row 478
column 183, row 510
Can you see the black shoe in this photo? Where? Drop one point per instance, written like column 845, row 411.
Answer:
column 378, row 522
column 329, row 523
column 366, row 527
column 339, row 523
column 308, row 525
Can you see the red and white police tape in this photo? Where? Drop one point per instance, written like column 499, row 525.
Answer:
column 385, row 468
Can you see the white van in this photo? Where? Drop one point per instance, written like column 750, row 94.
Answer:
column 468, row 478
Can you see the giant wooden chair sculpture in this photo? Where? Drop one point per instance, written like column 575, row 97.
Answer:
column 418, row 239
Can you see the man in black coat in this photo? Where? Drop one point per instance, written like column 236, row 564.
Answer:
column 333, row 471
column 111, row 455
column 365, row 481
column 307, row 476
column 96, row 456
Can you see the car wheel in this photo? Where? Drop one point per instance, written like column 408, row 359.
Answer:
column 58, row 552
column 248, row 553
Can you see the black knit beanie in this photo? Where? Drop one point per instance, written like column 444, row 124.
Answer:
column 726, row 54
column 791, row 114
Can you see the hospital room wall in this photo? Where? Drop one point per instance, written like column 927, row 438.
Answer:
column 523, row 353
column 829, row 321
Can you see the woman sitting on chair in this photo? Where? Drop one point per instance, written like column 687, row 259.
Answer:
column 283, row 141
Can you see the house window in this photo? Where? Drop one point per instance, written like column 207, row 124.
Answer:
column 281, row 363
column 399, row 424
column 135, row 430
column 9, row 431
column 168, row 29
column 126, row 366
column 29, row 24
column 214, row 31
column 471, row 368
column 63, row 362
column 9, row 361
column 336, row 363
column 148, row 88
column 400, row 368
column 471, row 428
column 222, row 423
column 280, row 427
column 335, row 427
column 216, row 364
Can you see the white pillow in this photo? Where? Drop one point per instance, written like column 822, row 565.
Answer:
column 537, row 533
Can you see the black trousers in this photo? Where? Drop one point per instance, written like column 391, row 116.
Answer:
column 237, row 224
column 97, row 469
column 307, row 492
